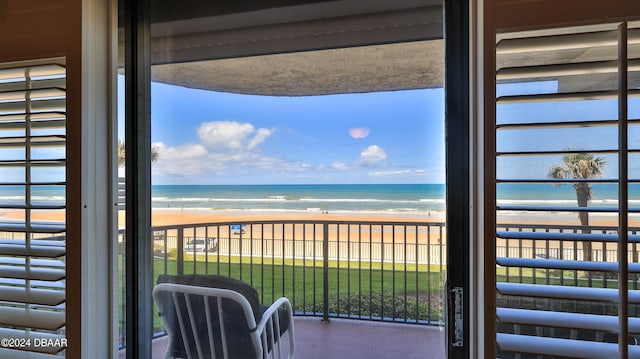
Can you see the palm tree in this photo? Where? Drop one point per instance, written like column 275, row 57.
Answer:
column 581, row 166
column 121, row 154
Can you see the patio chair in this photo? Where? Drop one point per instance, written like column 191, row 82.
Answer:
column 210, row 316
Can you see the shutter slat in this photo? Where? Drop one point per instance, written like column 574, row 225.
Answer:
column 556, row 125
column 567, row 96
column 550, row 236
column 34, row 227
column 39, row 94
column 564, row 264
column 34, row 163
column 31, row 296
column 36, row 248
column 46, row 119
column 33, row 261
column 555, row 152
column 38, row 273
column 561, row 209
column 36, row 125
column 606, row 323
column 60, row 284
column 56, row 205
column 564, row 292
column 556, row 181
column 561, row 347
column 556, row 42
column 31, row 318
column 41, row 84
column 559, row 70
column 14, row 108
column 33, row 184
column 18, row 72
column 33, row 141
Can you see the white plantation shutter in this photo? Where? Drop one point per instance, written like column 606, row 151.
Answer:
column 566, row 91
column 32, row 185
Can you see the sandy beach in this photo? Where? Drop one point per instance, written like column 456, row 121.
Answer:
column 162, row 217
column 176, row 216
column 170, row 217
column 201, row 223
column 374, row 234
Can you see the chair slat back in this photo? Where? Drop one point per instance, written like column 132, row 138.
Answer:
column 216, row 327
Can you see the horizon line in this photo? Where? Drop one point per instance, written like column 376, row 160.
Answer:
column 291, row 184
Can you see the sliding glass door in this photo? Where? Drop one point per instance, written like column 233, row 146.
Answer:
column 299, row 146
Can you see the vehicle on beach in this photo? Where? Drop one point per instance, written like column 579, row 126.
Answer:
column 202, row 245
column 237, row 229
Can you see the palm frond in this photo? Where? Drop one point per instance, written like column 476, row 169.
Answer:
column 122, row 154
column 579, row 165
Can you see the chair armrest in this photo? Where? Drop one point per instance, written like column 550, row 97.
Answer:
column 271, row 321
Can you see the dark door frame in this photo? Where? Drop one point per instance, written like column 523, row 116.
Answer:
column 458, row 167
column 138, row 245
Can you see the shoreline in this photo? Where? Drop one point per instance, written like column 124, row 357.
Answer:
column 166, row 217
column 163, row 216
column 176, row 216
column 200, row 219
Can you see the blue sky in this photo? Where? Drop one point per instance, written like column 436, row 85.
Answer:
column 206, row 137
column 555, row 139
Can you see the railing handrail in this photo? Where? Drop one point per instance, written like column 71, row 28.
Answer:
column 299, row 221
column 378, row 222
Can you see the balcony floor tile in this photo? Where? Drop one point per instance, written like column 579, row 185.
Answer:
column 353, row 339
column 358, row 339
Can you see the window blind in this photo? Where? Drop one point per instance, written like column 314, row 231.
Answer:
column 568, row 192
column 32, row 210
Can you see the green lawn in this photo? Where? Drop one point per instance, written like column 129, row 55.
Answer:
column 295, row 279
column 377, row 290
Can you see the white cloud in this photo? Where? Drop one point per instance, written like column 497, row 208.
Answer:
column 262, row 135
column 340, row 166
column 231, row 135
column 389, row 173
column 372, row 155
column 396, row 173
column 179, row 153
column 233, row 153
column 359, row 132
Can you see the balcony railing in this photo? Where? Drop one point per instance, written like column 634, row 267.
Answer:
column 377, row 271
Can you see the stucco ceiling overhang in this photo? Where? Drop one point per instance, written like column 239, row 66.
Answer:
column 313, row 49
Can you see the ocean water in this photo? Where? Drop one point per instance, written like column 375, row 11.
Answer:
column 374, row 198
column 414, row 198
column 604, row 194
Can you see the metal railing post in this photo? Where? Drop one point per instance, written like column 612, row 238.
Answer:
column 325, row 272
column 180, row 250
